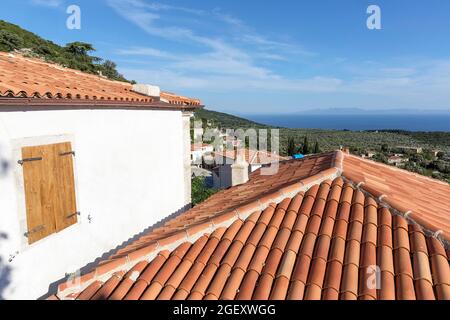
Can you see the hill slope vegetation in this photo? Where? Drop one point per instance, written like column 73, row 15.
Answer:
column 75, row 55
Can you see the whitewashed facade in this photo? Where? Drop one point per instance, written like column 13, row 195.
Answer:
column 132, row 169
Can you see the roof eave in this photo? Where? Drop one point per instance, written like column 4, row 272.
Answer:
column 61, row 104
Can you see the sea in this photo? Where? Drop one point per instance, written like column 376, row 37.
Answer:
column 358, row 122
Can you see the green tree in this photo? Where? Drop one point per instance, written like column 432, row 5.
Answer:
column 9, row 41
column 306, row 148
column 316, row 148
column 43, row 49
column 78, row 48
column 200, row 192
column 291, row 147
column 108, row 69
column 74, row 55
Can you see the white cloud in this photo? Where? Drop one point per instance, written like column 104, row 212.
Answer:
column 148, row 52
column 47, row 3
column 222, row 64
column 150, row 18
column 240, row 60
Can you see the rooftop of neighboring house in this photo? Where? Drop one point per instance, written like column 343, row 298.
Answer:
column 200, row 147
column 252, row 157
column 31, row 81
column 395, row 157
column 177, row 99
column 317, row 229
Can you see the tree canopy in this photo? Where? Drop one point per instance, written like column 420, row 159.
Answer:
column 75, row 55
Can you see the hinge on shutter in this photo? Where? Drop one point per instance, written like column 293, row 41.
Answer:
column 34, row 230
column 22, row 161
column 73, row 215
column 67, row 153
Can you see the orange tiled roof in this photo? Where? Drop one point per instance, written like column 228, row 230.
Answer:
column 252, row 156
column 22, row 77
column 312, row 231
column 180, row 100
column 197, row 147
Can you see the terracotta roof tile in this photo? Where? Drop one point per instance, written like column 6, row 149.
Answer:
column 385, row 259
column 232, row 287
column 329, row 240
column 127, row 282
column 25, row 78
column 105, row 291
column 259, row 259
column 248, row 285
column 181, row 100
column 405, row 191
column 386, row 289
column 253, row 157
column 280, row 289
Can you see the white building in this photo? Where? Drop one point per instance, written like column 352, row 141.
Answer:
column 84, row 163
column 198, row 151
column 397, row 160
column 224, row 161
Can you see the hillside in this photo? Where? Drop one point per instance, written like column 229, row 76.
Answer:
column 384, row 143
column 75, row 55
column 224, row 120
column 333, row 139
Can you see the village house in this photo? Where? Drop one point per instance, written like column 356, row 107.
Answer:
column 397, row 160
column 368, row 154
column 371, row 154
column 411, row 150
column 87, row 163
column 198, row 151
column 435, row 152
column 224, row 161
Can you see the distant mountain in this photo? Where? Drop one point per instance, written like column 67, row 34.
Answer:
column 75, row 55
column 361, row 111
column 224, row 120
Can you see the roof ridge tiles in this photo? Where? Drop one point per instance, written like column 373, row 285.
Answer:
column 403, row 171
column 398, row 209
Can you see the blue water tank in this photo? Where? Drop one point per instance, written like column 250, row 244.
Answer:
column 298, row 156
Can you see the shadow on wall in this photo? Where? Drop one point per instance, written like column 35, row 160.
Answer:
column 5, row 270
column 4, row 165
column 53, row 287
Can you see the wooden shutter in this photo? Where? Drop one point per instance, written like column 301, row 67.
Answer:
column 49, row 189
column 39, row 192
column 66, row 215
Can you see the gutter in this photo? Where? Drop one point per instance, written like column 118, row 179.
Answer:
column 35, row 104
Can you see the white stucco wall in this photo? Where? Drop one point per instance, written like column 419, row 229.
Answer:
column 129, row 175
column 196, row 157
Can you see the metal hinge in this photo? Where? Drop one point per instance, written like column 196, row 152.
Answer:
column 22, row 161
column 13, row 256
column 73, row 215
column 67, row 153
column 34, row 230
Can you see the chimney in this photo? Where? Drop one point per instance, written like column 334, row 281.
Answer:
column 148, row 90
column 345, row 149
column 239, row 170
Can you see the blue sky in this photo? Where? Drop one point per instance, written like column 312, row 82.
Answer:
column 265, row 56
